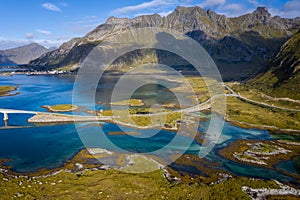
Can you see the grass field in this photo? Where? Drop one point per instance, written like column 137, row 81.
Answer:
column 238, row 110
column 257, row 95
column 130, row 102
column 61, row 108
column 112, row 184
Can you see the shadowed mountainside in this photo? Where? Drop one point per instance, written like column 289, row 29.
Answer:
column 281, row 78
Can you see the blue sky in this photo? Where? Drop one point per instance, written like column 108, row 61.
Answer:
column 52, row 22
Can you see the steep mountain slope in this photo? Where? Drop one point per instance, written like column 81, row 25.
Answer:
column 22, row 55
column 282, row 78
column 240, row 46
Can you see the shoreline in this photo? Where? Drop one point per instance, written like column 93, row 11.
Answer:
column 272, row 129
column 78, row 163
column 8, row 92
column 262, row 153
column 46, row 118
column 74, row 167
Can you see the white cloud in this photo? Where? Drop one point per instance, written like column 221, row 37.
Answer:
column 29, row 36
column 234, row 7
column 164, row 14
column 8, row 44
column 63, row 4
column 212, row 3
column 82, row 29
column 50, row 6
column 233, row 10
column 51, row 43
column 44, row 32
column 88, row 20
column 84, row 24
column 254, row 2
column 145, row 5
column 292, row 5
column 141, row 14
column 289, row 10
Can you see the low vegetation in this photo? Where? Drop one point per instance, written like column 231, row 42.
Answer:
column 131, row 102
column 112, row 184
column 241, row 111
column 257, row 95
column 145, row 117
column 107, row 113
column 5, row 89
column 282, row 77
column 202, row 87
column 61, row 108
column 261, row 153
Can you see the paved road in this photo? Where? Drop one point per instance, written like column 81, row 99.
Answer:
column 257, row 102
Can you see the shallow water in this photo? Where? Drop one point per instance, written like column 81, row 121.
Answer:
column 31, row 148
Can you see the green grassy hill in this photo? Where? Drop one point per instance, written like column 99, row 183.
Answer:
column 281, row 78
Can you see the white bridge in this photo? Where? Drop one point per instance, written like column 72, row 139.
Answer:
column 53, row 117
column 5, row 113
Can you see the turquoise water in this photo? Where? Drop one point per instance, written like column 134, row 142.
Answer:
column 32, row 147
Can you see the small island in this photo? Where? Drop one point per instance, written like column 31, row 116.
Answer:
column 124, row 133
column 6, row 89
column 143, row 118
column 170, row 105
column 261, row 153
column 130, row 102
column 61, row 108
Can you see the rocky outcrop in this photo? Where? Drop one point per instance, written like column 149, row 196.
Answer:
column 239, row 46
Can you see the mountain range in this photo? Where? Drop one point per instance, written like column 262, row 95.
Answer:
column 22, row 55
column 240, row 46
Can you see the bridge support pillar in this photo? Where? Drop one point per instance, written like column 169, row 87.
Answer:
column 5, row 118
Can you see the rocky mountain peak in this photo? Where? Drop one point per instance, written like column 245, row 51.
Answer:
column 22, row 55
column 262, row 11
column 262, row 14
column 115, row 20
column 148, row 17
column 189, row 10
column 241, row 43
